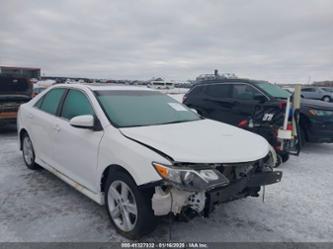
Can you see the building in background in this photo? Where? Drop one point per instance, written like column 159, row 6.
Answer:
column 328, row 83
column 23, row 72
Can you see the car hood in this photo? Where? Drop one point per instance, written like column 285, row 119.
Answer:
column 317, row 104
column 203, row 141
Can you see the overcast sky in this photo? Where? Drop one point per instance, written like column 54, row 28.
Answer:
column 280, row 41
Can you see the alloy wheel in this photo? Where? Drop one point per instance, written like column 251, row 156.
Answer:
column 122, row 206
column 28, row 150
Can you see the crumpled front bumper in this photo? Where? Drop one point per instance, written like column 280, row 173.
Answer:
column 240, row 188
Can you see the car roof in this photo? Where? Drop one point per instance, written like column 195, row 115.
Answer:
column 104, row 87
column 227, row 80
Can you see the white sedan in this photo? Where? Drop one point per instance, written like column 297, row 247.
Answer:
column 141, row 153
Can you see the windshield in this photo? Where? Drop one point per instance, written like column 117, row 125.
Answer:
column 328, row 89
column 273, row 90
column 142, row 108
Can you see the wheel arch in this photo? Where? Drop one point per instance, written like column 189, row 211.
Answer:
column 109, row 170
column 118, row 168
column 22, row 132
column 328, row 96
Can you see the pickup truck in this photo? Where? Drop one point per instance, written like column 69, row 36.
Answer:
column 14, row 91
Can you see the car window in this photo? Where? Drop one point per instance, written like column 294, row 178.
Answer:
column 328, row 89
column 272, row 90
column 244, row 92
column 51, row 101
column 219, row 90
column 143, row 108
column 76, row 104
column 308, row 90
column 196, row 90
column 39, row 103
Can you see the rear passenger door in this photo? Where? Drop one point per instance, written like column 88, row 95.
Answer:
column 42, row 128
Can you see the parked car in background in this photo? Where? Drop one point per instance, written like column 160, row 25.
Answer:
column 37, row 90
column 288, row 89
column 14, row 91
column 327, row 89
column 316, row 121
column 236, row 101
column 141, row 153
column 319, row 93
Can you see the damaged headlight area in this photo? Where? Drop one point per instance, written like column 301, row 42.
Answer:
column 271, row 160
column 191, row 179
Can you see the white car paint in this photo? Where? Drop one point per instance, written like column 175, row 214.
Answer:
column 203, row 141
column 80, row 156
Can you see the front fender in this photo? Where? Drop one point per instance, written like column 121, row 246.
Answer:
column 116, row 149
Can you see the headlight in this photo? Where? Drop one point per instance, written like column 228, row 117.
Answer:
column 270, row 161
column 320, row 113
column 190, row 179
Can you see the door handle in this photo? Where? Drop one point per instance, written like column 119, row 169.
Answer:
column 57, row 128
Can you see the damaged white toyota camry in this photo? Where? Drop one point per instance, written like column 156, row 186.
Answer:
column 141, row 153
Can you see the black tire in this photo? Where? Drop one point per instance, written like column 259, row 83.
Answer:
column 146, row 221
column 326, row 99
column 285, row 157
column 31, row 164
column 303, row 137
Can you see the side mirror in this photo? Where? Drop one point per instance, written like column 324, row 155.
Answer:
column 83, row 121
column 260, row 98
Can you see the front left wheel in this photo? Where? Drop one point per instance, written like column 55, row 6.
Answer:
column 128, row 207
column 326, row 99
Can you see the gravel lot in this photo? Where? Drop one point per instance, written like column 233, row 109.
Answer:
column 37, row 206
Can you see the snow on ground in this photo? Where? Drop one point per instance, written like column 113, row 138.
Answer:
column 37, row 206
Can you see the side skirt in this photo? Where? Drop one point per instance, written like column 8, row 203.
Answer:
column 97, row 197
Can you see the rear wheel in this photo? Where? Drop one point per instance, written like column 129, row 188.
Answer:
column 129, row 208
column 28, row 153
column 303, row 137
column 326, row 99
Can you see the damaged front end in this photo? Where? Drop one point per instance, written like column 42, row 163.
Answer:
column 197, row 188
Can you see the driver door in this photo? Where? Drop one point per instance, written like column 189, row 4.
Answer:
column 245, row 101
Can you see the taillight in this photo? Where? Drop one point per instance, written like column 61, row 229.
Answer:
column 282, row 104
column 243, row 123
column 290, row 127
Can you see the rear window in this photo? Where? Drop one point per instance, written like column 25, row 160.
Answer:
column 51, row 101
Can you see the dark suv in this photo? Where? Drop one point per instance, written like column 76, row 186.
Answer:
column 233, row 100
column 236, row 101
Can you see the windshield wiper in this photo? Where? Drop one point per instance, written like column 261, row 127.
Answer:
column 179, row 121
